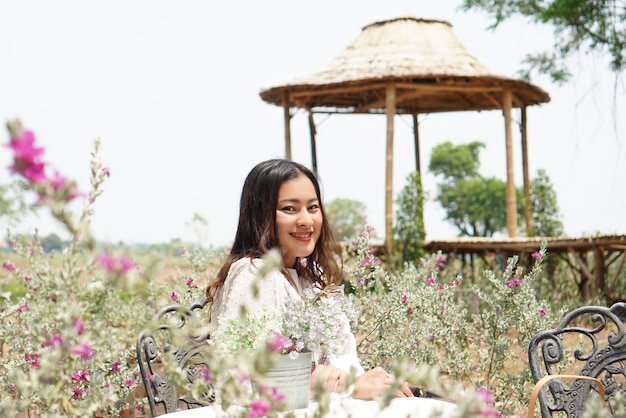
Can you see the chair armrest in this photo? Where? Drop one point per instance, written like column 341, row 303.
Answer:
column 546, row 379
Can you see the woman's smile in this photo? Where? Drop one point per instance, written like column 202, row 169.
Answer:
column 299, row 219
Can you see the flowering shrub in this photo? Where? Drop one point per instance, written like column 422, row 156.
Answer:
column 67, row 335
column 475, row 337
column 310, row 324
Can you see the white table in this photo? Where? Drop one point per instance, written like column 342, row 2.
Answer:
column 344, row 407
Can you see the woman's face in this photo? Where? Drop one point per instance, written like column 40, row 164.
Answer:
column 298, row 219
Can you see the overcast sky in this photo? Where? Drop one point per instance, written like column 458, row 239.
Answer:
column 172, row 89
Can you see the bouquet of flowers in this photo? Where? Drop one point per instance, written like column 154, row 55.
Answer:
column 311, row 324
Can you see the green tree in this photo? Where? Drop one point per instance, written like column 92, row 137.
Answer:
column 455, row 161
column 409, row 221
column 475, row 205
column 589, row 25
column 52, row 242
column 347, row 217
column 13, row 206
column 545, row 209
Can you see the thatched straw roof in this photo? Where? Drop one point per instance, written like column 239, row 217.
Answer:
column 430, row 67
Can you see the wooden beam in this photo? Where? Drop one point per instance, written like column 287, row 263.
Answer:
column 511, row 198
column 418, row 168
column 287, row 119
column 528, row 215
column 313, row 132
column 391, row 113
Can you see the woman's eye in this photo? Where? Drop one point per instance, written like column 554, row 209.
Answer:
column 313, row 208
column 288, row 209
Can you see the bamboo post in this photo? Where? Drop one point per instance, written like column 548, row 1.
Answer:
column 418, row 168
column 312, row 133
column 391, row 112
column 511, row 199
column 287, row 118
column 528, row 216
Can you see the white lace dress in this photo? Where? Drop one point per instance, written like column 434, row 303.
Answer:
column 273, row 290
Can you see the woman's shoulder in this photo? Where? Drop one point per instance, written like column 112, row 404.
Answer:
column 251, row 268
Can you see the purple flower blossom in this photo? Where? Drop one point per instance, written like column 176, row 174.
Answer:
column 488, row 411
column 174, row 296
column 542, row 313
column 78, row 392
column 79, row 324
column 84, row 350
column 54, row 342
column 513, row 283
column 115, row 265
column 205, row 373
column 26, row 158
column 181, row 251
column 9, row 266
column 258, row 409
column 129, row 383
column 536, row 255
column 82, row 376
column 106, row 171
column 115, row 366
column 280, row 344
column 403, row 299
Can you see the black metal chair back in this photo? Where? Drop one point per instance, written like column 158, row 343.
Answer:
column 598, row 335
column 160, row 340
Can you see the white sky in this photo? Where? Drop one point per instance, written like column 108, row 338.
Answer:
column 171, row 88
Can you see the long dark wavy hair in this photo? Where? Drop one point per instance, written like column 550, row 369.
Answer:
column 256, row 230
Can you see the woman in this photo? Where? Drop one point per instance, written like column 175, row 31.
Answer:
column 281, row 207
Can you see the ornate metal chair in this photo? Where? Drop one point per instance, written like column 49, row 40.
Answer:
column 597, row 364
column 161, row 340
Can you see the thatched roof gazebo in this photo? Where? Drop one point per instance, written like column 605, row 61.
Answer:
column 409, row 66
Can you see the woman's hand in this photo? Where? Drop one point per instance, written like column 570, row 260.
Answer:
column 332, row 378
column 375, row 382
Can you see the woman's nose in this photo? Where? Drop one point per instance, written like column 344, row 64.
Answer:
column 305, row 219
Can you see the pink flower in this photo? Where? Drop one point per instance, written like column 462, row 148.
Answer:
column 536, row 255
column 78, row 392
column 84, row 350
column 26, row 158
column 258, row 409
column 486, row 397
column 9, row 266
column 55, row 341
column 280, row 343
column 542, row 313
column 403, row 299
column 57, row 181
column 277, row 396
column 79, row 325
column 174, row 296
column 106, row 171
column 115, row 265
column 129, row 383
column 82, row 376
column 205, row 373
column 115, row 366
column 514, row 282
column 181, row 251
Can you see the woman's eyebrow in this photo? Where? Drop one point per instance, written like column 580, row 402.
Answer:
column 292, row 200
